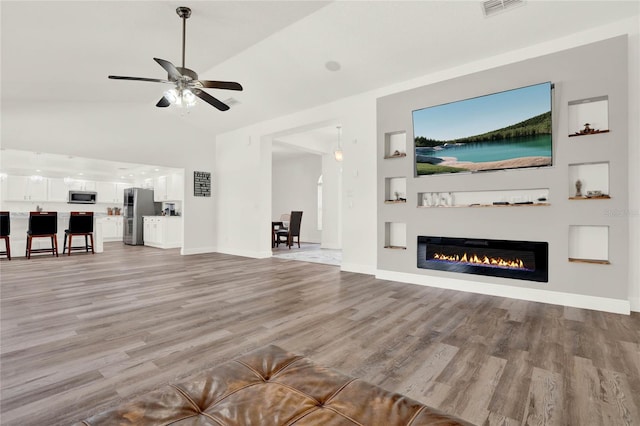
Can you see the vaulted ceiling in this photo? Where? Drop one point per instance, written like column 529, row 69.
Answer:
column 56, row 52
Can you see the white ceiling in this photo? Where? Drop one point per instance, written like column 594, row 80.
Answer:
column 55, row 51
column 27, row 163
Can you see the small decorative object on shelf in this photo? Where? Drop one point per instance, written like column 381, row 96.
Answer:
column 398, row 199
column 396, row 154
column 578, row 188
column 588, row 131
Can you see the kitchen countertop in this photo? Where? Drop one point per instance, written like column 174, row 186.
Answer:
column 61, row 215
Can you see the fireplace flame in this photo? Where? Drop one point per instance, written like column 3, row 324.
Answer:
column 473, row 259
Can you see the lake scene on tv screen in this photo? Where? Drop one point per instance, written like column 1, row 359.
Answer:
column 505, row 130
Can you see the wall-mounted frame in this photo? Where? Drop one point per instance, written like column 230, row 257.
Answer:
column 201, row 184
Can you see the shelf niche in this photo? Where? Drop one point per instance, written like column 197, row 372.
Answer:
column 504, row 198
column 594, row 181
column 395, row 235
column 395, row 145
column 594, row 111
column 589, row 244
column 394, row 189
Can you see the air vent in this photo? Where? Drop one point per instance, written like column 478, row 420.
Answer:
column 492, row 7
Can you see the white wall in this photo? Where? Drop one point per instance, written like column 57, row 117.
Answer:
column 295, row 187
column 331, row 202
column 357, row 218
column 357, row 116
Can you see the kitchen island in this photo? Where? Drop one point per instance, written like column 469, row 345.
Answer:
column 20, row 224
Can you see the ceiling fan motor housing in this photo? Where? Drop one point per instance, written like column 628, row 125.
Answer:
column 183, row 12
column 187, row 72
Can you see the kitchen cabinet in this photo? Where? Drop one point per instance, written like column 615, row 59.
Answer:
column 160, row 189
column 106, row 192
column 162, row 231
column 81, row 185
column 58, row 190
column 111, row 193
column 111, row 228
column 168, row 188
column 26, row 188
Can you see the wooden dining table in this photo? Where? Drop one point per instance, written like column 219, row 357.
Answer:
column 275, row 225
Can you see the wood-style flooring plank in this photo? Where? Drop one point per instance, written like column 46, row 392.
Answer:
column 82, row 333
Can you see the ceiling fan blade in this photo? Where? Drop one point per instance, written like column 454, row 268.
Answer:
column 155, row 80
column 211, row 100
column 227, row 85
column 163, row 103
column 170, row 68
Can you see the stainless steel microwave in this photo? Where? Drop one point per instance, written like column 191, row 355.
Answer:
column 82, row 197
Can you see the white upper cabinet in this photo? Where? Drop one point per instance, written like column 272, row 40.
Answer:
column 26, row 188
column 175, row 187
column 120, row 187
column 168, row 188
column 58, row 190
column 81, row 185
column 160, row 188
column 107, row 192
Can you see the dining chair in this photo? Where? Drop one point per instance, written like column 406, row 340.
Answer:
column 292, row 231
column 80, row 224
column 42, row 225
column 5, row 230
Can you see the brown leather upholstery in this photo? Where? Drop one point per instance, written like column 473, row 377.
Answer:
column 272, row 387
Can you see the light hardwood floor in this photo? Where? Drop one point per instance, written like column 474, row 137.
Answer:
column 81, row 333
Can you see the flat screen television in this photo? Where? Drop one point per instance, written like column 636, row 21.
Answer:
column 504, row 130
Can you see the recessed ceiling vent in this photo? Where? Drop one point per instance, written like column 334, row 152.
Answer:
column 493, row 7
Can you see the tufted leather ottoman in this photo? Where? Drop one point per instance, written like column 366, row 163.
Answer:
column 271, row 387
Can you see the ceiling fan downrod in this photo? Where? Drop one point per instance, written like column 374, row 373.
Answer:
column 183, row 12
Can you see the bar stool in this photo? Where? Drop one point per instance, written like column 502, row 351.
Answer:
column 42, row 225
column 80, row 223
column 5, row 230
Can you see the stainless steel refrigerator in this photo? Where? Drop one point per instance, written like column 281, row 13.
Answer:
column 138, row 202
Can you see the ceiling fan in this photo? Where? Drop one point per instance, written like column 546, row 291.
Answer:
column 185, row 80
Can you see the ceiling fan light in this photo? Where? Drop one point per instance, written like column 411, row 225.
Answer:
column 171, row 95
column 188, row 98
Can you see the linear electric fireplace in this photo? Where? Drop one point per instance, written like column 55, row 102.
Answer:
column 523, row 260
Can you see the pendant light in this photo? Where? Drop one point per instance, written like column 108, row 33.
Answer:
column 337, row 154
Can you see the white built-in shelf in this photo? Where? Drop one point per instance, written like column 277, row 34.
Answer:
column 395, row 189
column 600, row 197
column 395, row 145
column 395, row 235
column 498, row 198
column 490, row 205
column 594, row 181
column 589, row 116
column 595, row 261
column 589, row 244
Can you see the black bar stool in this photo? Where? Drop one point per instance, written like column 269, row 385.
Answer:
column 43, row 225
column 80, row 223
column 5, row 230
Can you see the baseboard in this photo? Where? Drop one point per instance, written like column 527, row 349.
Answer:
column 635, row 304
column 245, row 253
column 360, row 269
column 605, row 304
column 198, row 250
